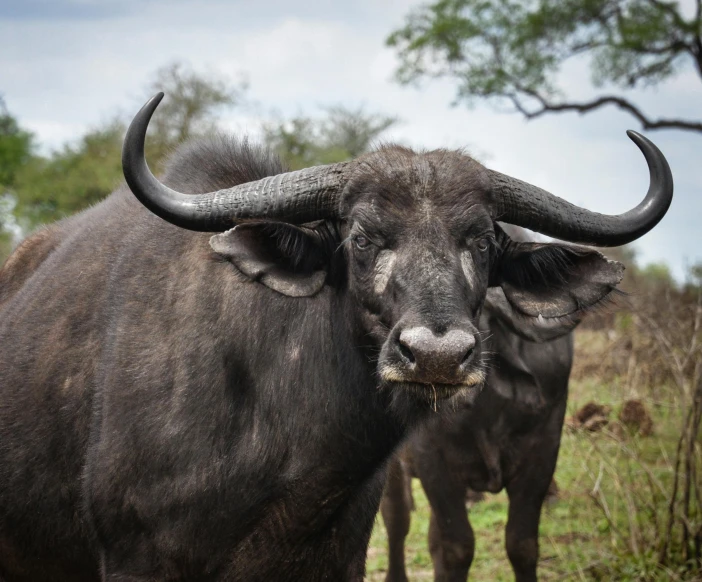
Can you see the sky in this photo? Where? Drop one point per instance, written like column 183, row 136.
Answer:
column 69, row 65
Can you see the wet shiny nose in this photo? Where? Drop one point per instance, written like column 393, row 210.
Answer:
column 435, row 358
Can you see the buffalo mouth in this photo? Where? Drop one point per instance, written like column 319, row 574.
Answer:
column 432, row 366
column 466, row 389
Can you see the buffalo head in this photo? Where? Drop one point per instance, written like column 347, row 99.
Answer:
column 412, row 240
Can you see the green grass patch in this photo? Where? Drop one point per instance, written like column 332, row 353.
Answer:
column 611, row 508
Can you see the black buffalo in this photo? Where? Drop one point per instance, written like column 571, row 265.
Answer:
column 508, row 439
column 177, row 405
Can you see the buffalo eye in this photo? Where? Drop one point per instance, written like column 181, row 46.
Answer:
column 361, row 242
column 483, row 245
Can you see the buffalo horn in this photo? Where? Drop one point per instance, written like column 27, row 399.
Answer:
column 297, row 197
column 520, row 203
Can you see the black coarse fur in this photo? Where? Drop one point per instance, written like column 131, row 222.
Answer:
column 168, row 412
column 152, row 435
column 219, row 162
column 168, row 418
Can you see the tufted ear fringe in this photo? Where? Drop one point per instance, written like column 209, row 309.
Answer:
column 291, row 260
column 548, row 281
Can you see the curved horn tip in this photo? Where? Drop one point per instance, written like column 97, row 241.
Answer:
column 151, row 105
column 555, row 217
column 654, row 157
column 643, row 143
column 638, row 139
column 158, row 96
column 136, row 132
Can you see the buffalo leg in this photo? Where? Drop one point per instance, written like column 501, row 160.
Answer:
column 526, row 496
column 451, row 539
column 395, row 508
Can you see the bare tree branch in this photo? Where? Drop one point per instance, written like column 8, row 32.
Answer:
column 629, row 49
column 674, row 47
column 620, row 102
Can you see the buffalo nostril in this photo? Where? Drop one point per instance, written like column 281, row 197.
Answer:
column 406, row 352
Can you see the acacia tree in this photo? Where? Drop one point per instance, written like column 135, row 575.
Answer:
column 511, row 51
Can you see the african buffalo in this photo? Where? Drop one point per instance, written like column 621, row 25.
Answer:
column 509, row 438
column 178, row 405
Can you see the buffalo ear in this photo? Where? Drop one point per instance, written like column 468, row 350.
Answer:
column 283, row 257
column 546, row 281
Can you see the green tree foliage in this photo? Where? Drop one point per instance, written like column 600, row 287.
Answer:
column 6, row 236
column 16, row 145
column 657, row 274
column 84, row 172
column 695, row 274
column 72, row 178
column 511, row 51
column 341, row 135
